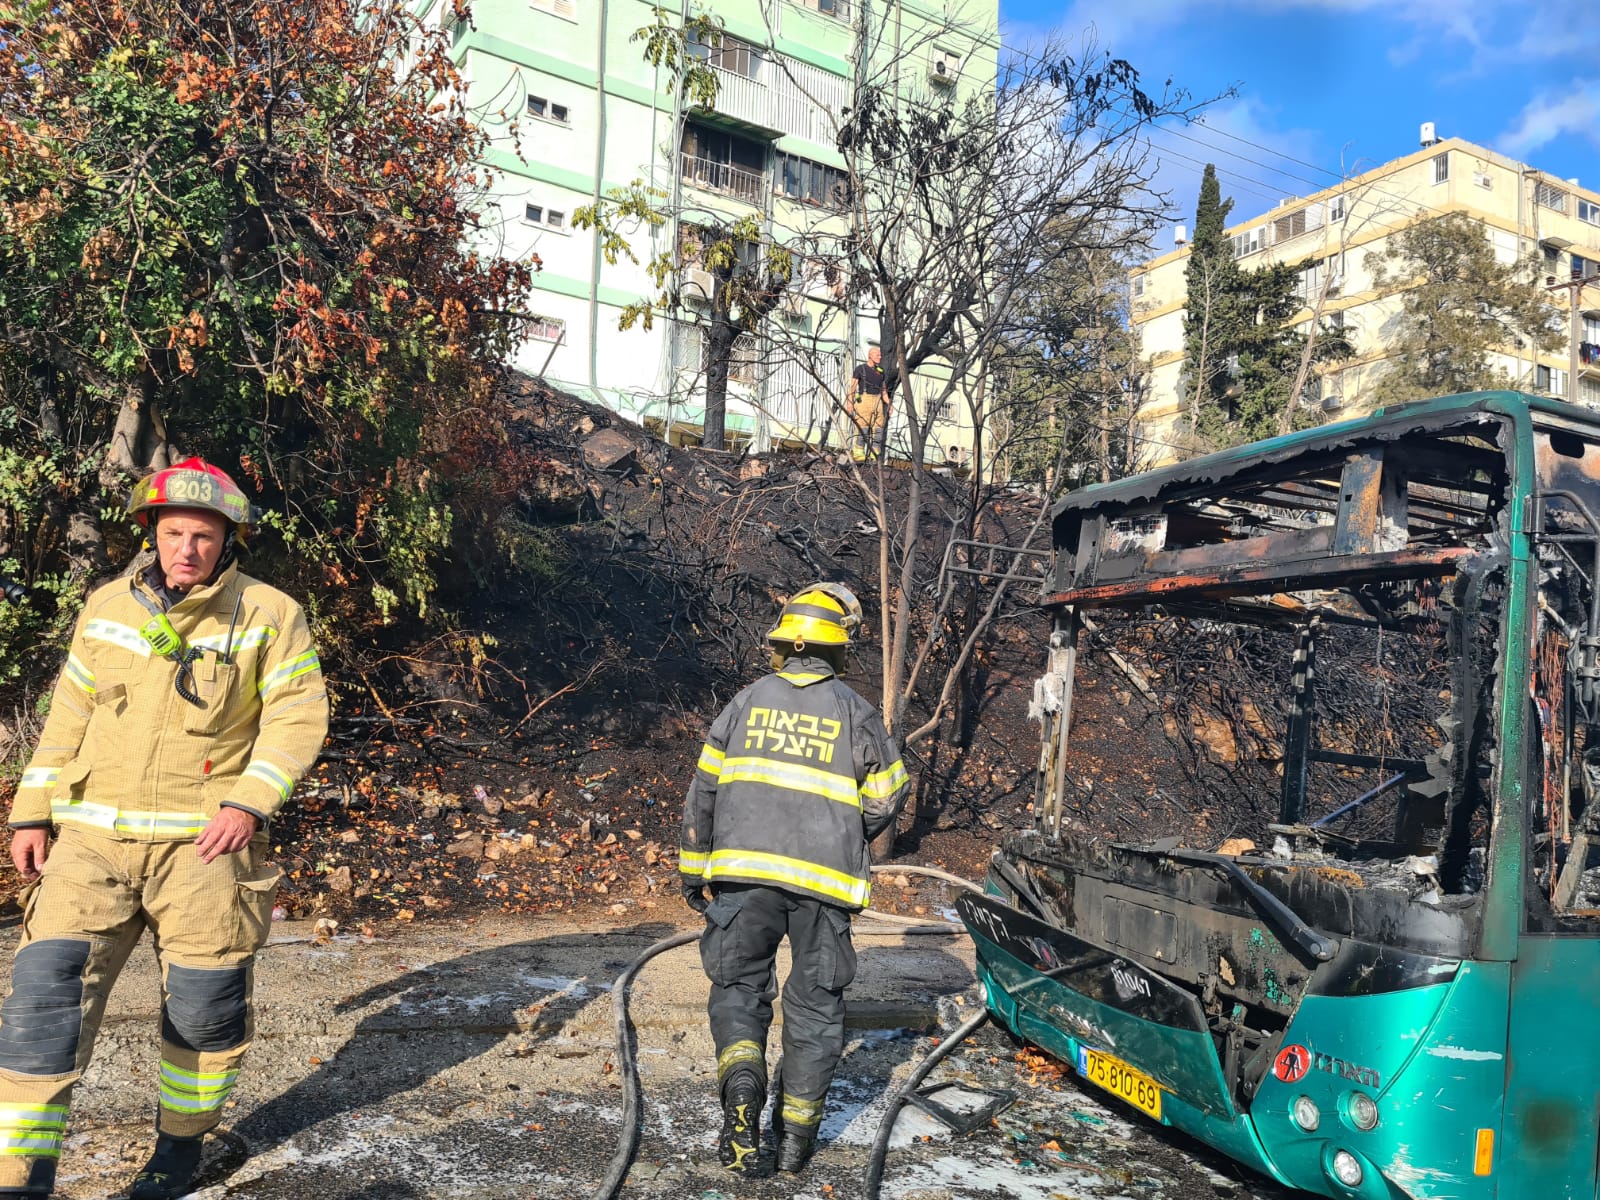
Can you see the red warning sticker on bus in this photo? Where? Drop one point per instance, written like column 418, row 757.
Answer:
column 1292, row 1063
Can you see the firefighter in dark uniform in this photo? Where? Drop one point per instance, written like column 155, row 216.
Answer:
column 797, row 775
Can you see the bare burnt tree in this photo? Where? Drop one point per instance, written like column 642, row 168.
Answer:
column 958, row 199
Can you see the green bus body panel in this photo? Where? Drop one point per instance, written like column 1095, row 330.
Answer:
column 1039, row 1009
column 1437, row 1053
column 1432, row 1057
column 1506, row 1046
column 1553, row 1076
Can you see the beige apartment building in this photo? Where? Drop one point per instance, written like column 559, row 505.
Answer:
column 1525, row 211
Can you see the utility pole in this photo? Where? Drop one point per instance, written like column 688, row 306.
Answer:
column 1574, row 288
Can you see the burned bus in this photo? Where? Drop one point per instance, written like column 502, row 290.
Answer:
column 1385, row 986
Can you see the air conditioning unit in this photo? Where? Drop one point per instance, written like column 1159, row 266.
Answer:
column 945, row 68
column 698, row 283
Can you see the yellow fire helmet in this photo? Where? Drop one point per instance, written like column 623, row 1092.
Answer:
column 821, row 614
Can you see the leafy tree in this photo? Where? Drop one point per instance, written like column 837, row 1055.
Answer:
column 1460, row 306
column 239, row 228
column 1068, row 379
column 1210, row 322
column 1244, row 356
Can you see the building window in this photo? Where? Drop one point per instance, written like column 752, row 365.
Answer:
column 811, row 182
column 1249, row 241
column 1138, row 286
column 724, row 162
column 838, row 9
column 731, row 54
column 1582, row 267
column 1550, row 197
column 1591, row 330
column 744, row 358
column 1550, row 380
column 561, row 8
column 1589, row 391
column 1441, row 168
column 547, row 218
column 547, row 110
column 1336, row 209
column 546, row 329
column 1292, row 225
column 1589, row 211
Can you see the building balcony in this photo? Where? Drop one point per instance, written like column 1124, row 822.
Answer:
column 744, row 104
column 742, row 183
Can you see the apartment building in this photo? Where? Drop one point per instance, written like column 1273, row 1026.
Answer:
column 1525, row 212
column 574, row 111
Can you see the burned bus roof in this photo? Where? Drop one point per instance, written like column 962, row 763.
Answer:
column 1383, row 424
column 1414, row 491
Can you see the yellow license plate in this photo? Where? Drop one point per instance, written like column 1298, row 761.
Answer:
column 1121, row 1080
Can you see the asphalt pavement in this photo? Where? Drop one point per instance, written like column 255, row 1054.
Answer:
column 477, row 1061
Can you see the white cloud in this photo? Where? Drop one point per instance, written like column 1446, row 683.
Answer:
column 1551, row 114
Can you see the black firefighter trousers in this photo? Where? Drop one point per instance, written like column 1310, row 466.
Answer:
column 744, row 926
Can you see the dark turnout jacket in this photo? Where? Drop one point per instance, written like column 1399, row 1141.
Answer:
column 797, row 775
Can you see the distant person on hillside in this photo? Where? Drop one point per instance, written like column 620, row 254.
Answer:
column 867, row 407
column 797, row 775
column 190, row 705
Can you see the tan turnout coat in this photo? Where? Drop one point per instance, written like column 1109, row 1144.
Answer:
column 124, row 755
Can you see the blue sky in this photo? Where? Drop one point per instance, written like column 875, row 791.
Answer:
column 1325, row 87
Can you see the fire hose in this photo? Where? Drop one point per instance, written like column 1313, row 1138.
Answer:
column 628, row 1142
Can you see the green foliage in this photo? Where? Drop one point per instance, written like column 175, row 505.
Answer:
column 243, row 229
column 680, row 49
column 1460, row 304
column 37, row 631
column 1242, row 353
column 1065, row 382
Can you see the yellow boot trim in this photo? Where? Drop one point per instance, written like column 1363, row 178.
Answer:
column 801, row 1112
column 739, row 1054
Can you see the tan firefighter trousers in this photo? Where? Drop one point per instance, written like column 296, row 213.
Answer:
column 81, row 920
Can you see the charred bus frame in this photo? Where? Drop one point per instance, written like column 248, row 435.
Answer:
column 1403, row 1012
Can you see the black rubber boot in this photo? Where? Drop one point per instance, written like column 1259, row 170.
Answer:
column 795, row 1148
column 171, row 1170
column 742, row 1101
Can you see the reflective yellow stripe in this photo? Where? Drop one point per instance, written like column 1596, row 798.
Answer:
column 125, row 637
column 710, row 761
column 880, row 785
column 739, row 1054
column 194, row 1091
column 775, row 868
column 302, row 664
column 32, row 1129
column 104, row 816
column 38, row 777
column 279, row 781
column 80, row 674
column 247, row 639
column 800, row 679
column 693, row 862
column 801, row 1112
column 792, row 776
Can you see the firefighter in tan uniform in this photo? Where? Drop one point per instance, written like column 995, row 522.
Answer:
column 797, row 775
column 191, row 703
